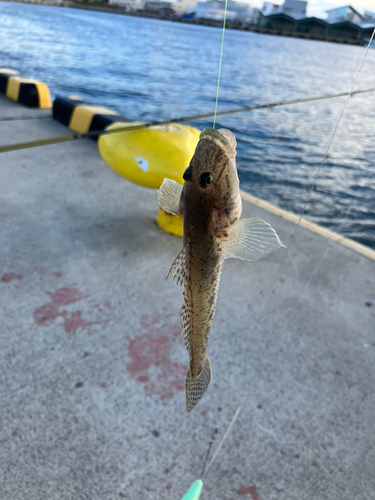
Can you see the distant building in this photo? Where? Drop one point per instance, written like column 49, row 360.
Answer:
column 130, row 5
column 312, row 26
column 369, row 16
column 345, row 13
column 160, row 7
column 183, row 6
column 344, row 23
column 282, row 17
column 278, row 22
column 214, row 9
column 293, row 8
column 270, row 8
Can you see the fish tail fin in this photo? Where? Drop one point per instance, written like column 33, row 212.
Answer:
column 196, row 386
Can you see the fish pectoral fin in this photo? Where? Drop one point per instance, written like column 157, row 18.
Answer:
column 179, row 270
column 253, row 239
column 169, row 196
column 196, row 386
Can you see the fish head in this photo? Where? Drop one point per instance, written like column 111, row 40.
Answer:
column 212, row 176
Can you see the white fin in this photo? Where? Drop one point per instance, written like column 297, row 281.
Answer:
column 253, row 239
column 179, row 270
column 169, row 196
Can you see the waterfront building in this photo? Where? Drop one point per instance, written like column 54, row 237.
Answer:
column 282, row 17
column 342, row 23
column 269, row 8
column 369, row 16
column 183, row 6
column 129, row 5
column 278, row 22
column 293, row 8
column 159, row 7
column 312, row 26
column 214, row 9
column 342, row 14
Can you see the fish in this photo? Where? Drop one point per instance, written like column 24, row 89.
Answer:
column 210, row 203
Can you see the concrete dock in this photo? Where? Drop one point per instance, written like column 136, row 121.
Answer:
column 92, row 363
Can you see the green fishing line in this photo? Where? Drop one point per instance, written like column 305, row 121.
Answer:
column 221, row 58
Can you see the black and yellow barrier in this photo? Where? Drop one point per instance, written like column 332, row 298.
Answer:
column 27, row 91
column 82, row 117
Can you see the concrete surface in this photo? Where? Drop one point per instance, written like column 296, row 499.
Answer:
column 92, row 364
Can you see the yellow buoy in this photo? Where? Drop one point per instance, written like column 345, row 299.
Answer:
column 172, row 224
column 148, row 156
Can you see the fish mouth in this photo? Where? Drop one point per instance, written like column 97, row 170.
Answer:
column 222, row 137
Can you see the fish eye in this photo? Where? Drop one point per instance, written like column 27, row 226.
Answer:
column 187, row 175
column 206, row 180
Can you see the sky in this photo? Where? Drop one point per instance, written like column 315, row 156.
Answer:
column 318, row 7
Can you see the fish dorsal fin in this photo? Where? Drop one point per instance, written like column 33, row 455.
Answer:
column 253, row 239
column 179, row 270
column 169, row 196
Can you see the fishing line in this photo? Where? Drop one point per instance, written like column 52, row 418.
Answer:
column 324, row 158
column 208, row 450
column 222, row 441
column 221, row 58
column 328, row 246
column 130, row 128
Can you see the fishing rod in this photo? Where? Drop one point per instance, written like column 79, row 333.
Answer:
column 130, row 128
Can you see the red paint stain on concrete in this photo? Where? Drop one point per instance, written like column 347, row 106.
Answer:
column 65, row 296
column 153, row 350
column 46, row 314
column 76, row 322
column 147, row 351
column 235, row 471
column 170, row 381
column 169, row 486
column 6, row 278
column 58, row 274
column 248, row 490
column 73, row 321
column 104, row 385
